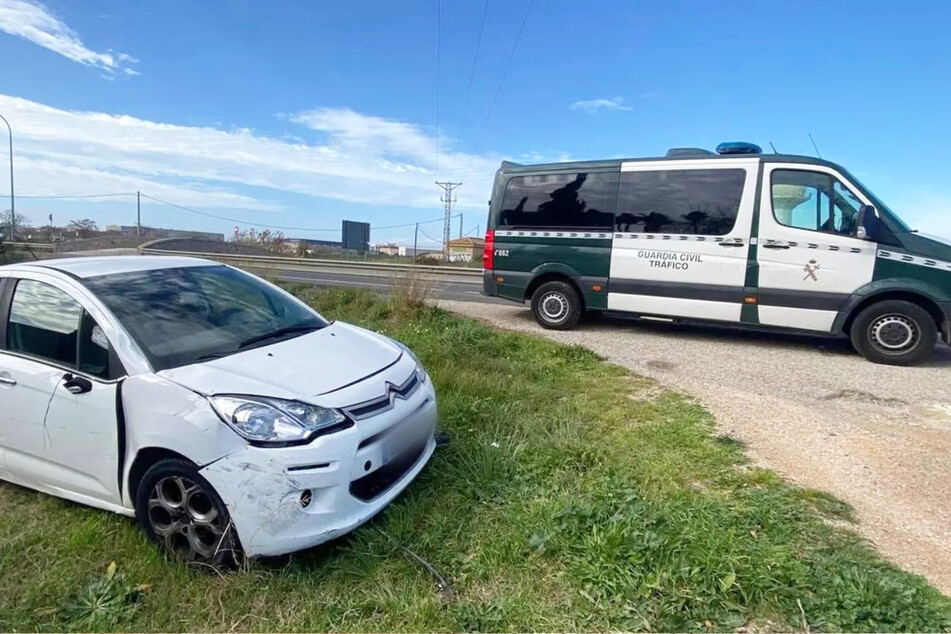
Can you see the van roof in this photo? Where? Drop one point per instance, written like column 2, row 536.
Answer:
column 509, row 167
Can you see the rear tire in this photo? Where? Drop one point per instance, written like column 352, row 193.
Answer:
column 894, row 332
column 180, row 511
column 556, row 306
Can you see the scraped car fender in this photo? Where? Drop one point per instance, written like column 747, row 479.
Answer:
column 162, row 414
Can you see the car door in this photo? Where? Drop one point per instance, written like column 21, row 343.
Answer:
column 60, row 430
column 809, row 259
column 682, row 238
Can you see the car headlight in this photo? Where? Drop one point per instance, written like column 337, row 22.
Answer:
column 274, row 421
column 420, row 372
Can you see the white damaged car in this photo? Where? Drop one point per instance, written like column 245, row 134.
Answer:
column 221, row 411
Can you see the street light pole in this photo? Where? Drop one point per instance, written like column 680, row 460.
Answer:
column 13, row 213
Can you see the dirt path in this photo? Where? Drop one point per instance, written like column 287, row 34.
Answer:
column 878, row 437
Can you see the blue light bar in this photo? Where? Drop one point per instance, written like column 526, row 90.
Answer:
column 739, row 147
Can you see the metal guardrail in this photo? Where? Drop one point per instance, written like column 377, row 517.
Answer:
column 27, row 246
column 345, row 267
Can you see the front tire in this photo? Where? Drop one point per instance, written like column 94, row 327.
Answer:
column 180, row 511
column 556, row 306
column 894, row 332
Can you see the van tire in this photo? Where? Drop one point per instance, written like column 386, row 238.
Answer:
column 556, row 306
column 174, row 496
column 894, row 332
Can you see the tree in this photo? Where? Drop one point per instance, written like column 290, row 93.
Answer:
column 83, row 228
column 22, row 223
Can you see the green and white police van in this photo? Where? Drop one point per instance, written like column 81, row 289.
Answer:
column 732, row 237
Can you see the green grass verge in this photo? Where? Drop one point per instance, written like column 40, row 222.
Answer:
column 573, row 496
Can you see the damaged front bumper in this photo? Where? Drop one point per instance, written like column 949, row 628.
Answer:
column 286, row 499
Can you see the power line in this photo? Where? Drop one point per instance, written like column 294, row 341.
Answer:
column 438, row 21
column 475, row 58
column 78, row 196
column 270, row 226
column 498, row 90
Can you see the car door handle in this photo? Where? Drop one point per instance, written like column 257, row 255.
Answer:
column 737, row 243
column 775, row 245
column 77, row 384
column 8, row 380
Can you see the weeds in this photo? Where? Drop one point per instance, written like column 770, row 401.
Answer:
column 410, row 292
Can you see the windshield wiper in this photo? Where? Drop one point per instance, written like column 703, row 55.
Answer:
column 280, row 332
column 215, row 355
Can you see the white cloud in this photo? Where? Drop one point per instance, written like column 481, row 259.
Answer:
column 592, row 106
column 347, row 156
column 32, row 21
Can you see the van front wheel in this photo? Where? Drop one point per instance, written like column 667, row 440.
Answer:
column 894, row 332
column 556, row 306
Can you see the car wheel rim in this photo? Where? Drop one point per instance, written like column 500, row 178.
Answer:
column 186, row 520
column 894, row 334
column 554, row 307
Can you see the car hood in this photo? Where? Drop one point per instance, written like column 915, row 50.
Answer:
column 309, row 365
column 927, row 246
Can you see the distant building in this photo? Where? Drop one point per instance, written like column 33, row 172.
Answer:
column 389, row 249
column 466, row 250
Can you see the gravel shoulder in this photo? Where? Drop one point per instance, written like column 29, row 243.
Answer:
column 878, row 437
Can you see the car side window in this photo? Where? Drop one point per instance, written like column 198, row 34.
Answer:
column 43, row 322
column 47, row 323
column 813, row 201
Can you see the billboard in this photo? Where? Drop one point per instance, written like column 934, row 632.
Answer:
column 356, row 235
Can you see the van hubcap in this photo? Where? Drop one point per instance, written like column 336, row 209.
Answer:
column 894, row 334
column 554, row 306
column 185, row 519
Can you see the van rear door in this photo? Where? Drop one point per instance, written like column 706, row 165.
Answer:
column 682, row 238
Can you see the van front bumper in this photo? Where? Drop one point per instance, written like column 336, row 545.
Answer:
column 286, row 499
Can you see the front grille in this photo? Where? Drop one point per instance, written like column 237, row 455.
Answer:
column 378, row 482
column 385, row 402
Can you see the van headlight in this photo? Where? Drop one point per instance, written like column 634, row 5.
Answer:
column 274, row 421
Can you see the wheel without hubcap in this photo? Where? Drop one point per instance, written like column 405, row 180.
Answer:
column 895, row 332
column 556, row 305
column 178, row 509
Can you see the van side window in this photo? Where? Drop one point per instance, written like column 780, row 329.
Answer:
column 560, row 201
column 692, row 202
column 814, row 201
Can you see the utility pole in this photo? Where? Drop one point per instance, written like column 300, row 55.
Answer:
column 13, row 213
column 460, row 226
column 415, row 242
column 447, row 198
column 138, row 214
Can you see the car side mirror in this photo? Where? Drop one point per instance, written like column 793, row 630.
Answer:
column 867, row 223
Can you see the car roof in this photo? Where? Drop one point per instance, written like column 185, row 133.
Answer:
column 94, row 266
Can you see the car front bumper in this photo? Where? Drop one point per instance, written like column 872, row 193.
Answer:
column 349, row 476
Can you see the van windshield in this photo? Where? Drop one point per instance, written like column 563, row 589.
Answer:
column 180, row 316
column 894, row 222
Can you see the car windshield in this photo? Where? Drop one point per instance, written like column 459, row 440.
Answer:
column 180, row 316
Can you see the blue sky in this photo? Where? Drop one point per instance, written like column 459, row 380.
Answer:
column 302, row 113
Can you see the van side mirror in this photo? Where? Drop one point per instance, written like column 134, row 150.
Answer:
column 867, row 223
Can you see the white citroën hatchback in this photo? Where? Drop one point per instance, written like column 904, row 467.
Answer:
column 222, row 412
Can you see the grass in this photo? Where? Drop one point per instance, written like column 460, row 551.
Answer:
column 572, row 496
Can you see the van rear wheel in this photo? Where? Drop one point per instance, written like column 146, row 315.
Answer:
column 894, row 332
column 556, row 306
